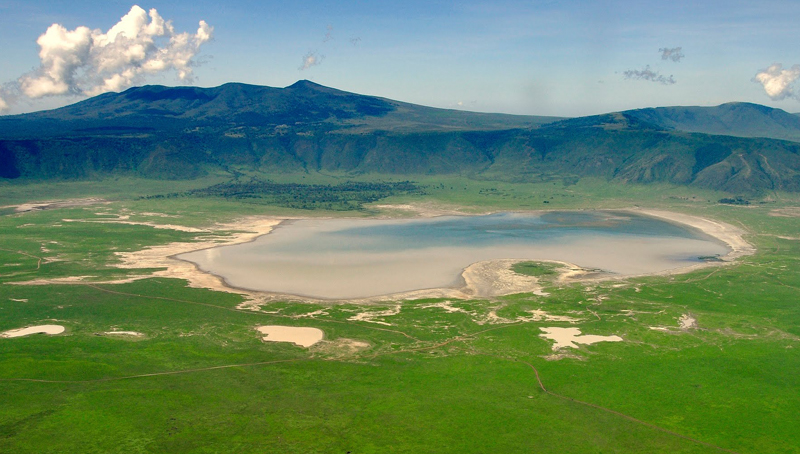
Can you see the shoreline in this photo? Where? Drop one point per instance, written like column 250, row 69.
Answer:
column 486, row 279
column 724, row 232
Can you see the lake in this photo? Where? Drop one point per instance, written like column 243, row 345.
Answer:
column 355, row 258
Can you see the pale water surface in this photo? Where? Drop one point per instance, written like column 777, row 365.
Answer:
column 353, row 258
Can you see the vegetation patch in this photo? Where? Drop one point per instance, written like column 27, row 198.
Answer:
column 536, row 269
column 348, row 196
column 734, row 201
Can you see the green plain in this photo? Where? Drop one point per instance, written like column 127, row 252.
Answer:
column 202, row 381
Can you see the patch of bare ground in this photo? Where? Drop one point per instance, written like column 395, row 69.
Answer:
column 298, row 335
column 341, row 347
column 492, row 318
column 53, row 204
column 241, row 231
column 371, row 316
column 568, row 337
column 496, row 278
column 124, row 220
column 38, row 329
column 727, row 233
column 123, row 333
column 561, row 354
column 788, row 212
column 686, row 322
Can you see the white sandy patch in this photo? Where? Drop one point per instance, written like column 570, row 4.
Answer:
column 125, row 333
column 55, row 280
column 349, row 344
column 729, row 234
column 302, row 336
column 158, row 215
column 371, row 316
column 495, row 278
column 448, row 307
column 687, row 322
column 493, row 319
column 123, row 220
column 39, row 329
column 538, row 315
column 341, row 347
column 48, row 205
column 568, row 337
column 246, row 229
column 562, row 354
column 321, row 312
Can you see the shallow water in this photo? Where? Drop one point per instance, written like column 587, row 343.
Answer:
column 353, row 258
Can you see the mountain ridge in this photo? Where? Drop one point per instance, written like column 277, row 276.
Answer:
column 185, row 132
column 254, row 105
column 740, row 119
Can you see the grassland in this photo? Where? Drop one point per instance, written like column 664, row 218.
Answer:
column 440, row 377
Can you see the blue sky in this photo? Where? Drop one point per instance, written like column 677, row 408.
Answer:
column 564, row 58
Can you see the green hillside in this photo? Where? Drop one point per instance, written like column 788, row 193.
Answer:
column 187, row 132
column 739, row 119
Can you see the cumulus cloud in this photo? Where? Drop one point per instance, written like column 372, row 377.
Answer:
column 89, row 62
column 673, row 53
column 311, row 59
column 779, row 82
column 648, row 74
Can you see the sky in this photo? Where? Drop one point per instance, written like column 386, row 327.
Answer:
column 562, row 58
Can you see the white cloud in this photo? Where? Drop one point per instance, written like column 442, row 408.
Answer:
column 9, row 93
column 89, row 62
column 648, row 74
column 778, row 82
column 311, row 59
column 673, row 53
